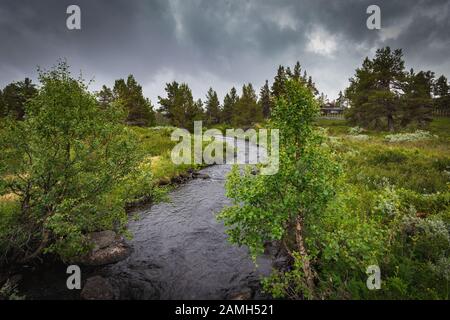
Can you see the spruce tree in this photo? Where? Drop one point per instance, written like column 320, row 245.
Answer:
column 297, row 76
column 374, row 90
column 278, row 86
column 247, row 109
column 139, row 109
column 229, row 106
column 312, row 86
column 441, row 87
column 265, row 100
column 105, row 97
column 14, row 97
column 340, row 100
column 441, row 90
column 417, row 101
column 212, row 107
column 179, row 106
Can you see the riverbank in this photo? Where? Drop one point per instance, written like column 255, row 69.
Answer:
column 155, row 176
column 178, row 249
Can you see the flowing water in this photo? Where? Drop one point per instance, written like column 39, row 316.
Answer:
column 180, row 250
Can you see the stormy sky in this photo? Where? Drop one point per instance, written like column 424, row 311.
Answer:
column 218, row 43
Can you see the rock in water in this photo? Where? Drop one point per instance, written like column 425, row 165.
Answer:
column 245, row 294
column 108, row 248
column 97, row 288
column 201, row 176
column 102, row 239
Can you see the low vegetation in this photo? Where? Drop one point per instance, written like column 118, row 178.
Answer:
column 370, row 190
column 71, row 167
column 391, row 208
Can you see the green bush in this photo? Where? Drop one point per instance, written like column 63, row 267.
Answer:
column 62, row 162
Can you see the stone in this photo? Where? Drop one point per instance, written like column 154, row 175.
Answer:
column 113, row 253
column 102, row 239
column 108, row 247
column 244, row 294
column 97, row 288
column 201, row 176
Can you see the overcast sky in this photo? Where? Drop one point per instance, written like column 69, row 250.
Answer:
column 218, row 43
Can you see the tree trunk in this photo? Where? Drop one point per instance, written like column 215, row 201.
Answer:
column 39, row 250
column 307, row 270
column 390, row 121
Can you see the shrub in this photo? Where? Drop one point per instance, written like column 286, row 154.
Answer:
column 62, row 162
column 355, row 130
column 282, row 206
column 418, row 135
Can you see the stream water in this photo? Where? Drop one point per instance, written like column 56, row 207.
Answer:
column 180, row 250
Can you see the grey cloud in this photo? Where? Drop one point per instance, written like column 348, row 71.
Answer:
column 217, row 43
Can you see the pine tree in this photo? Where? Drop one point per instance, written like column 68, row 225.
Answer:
column 212, row 107
column 289, row 72
column 340, row 100
column 441, row 90
column 297, row 76
column 278, row 86
column 373, row 91
column 105, row 97
column 139, row 109
column 322, row 99
column 197, row 112
column 305, row 76
column 15, row 96
column 265, row 100
column 229, row 106
column 441, row 87
column 312, row 86
column 247, row 110
column 179, row 106
column 417, row 101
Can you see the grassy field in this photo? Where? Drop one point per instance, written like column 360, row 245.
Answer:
column 393, row 208
column 156, row 146
column 420, row 163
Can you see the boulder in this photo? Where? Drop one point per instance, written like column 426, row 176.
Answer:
column 97, row 288
column 198, row 175
column 244, row 294
column 102, row 239
column 108, row 248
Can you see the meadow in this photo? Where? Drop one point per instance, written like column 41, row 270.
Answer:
column 392, row 209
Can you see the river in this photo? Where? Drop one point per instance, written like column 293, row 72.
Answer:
column 180, row 250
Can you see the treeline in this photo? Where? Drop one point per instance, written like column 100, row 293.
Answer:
column 178, row 107
column 244, row 109
column 125, row 93
column 67, row 167
column 383, row 95
column 14, row 96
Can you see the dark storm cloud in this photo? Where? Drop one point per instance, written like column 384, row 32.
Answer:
column 218, row 43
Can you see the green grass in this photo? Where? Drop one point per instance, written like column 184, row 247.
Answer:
column 402, row 190
column 441, row 127
column 157, row 146
column 421, row 165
